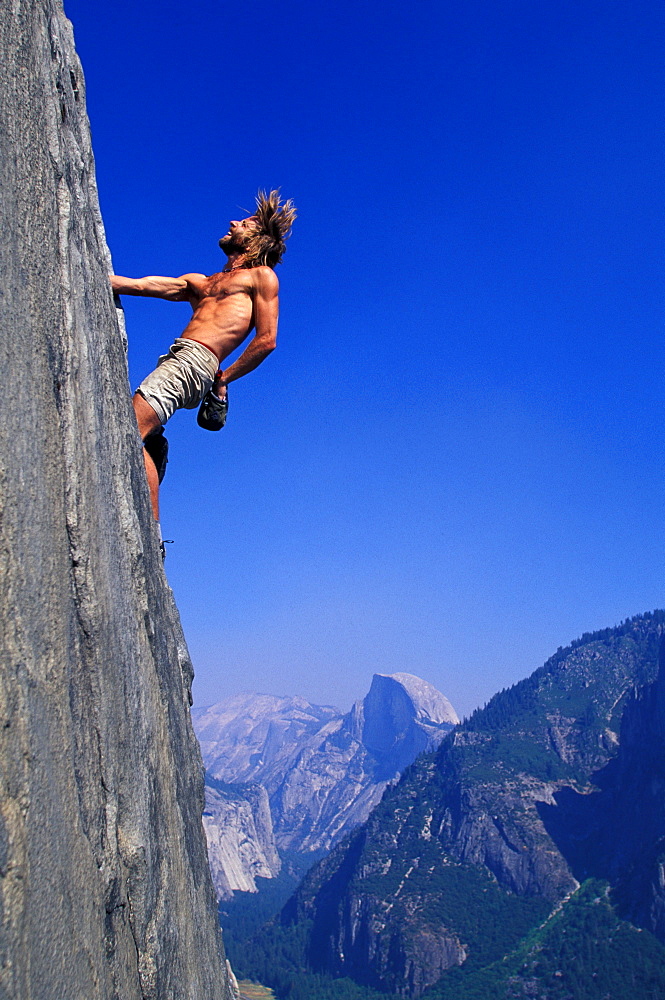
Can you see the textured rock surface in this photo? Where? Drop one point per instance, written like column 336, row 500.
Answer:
column 241, row 846
column 558, row 779
column 323, row 771
column 104, row 883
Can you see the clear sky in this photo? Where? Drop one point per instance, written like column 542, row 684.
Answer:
column 454, row 461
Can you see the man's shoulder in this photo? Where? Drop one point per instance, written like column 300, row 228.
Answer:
column 195, row 287
column 264, row 279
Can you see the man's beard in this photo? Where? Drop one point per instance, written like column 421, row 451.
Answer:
column 231, row 246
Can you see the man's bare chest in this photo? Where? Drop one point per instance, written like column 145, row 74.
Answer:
column 223, row 286
column 234, row 306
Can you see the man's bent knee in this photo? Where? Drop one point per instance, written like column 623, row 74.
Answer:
column 146, row 417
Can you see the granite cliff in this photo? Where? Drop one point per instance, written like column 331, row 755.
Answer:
column 104, row 884
column 557, row 781
column 323, row 771
column 617, row 831
column 241, row 846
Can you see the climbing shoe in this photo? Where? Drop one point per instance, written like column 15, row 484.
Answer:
column 212, row 412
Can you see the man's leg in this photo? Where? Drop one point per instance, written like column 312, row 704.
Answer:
column 148, row 422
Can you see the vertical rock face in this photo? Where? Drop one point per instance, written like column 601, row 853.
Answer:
column 618, row 833
column 403, row 717
column 241, row 846
column 104, row 883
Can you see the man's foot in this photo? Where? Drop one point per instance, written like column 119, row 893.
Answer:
column 213, row 410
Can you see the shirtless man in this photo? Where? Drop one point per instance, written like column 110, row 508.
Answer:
column 227, row 307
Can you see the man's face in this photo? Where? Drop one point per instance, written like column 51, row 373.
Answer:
column 239, row 233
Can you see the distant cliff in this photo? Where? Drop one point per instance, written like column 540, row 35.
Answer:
column 241, row 846
column 323, row 771
column 558, row 780
column 104, row 883
column 636, row 855
column 617, row 832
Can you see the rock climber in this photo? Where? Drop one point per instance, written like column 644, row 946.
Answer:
column 227, row 307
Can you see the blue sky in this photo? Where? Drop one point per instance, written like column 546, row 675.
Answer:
column 453, row 463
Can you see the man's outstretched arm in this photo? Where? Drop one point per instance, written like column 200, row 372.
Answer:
column 173, row 289
column 264, row 341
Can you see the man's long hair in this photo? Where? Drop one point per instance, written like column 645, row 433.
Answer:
column 274, row 219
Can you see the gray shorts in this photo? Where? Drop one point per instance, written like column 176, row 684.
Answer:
column 181, row 379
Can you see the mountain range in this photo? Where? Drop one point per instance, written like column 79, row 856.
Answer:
column 284, row 775
column 524, row 857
